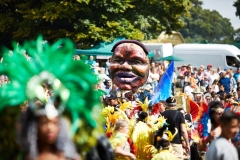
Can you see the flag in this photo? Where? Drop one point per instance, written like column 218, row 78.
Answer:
column 163, row 89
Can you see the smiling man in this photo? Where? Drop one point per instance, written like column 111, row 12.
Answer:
column 129, row 65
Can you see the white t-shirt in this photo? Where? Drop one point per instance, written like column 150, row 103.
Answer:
column 221, row 149
column 188, row 90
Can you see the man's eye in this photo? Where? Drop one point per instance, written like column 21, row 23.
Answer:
column 117, row 61
column 136, row 62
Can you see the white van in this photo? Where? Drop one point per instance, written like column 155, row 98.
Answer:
column 160, row 49
column 219, row 55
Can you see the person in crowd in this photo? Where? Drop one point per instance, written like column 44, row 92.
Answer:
column 182, row 76
column 221, row 90
column 41, row 137
column 216, row 109
column 188, row 89
column 96, row 68
column 235, row 96
column 158, row 108
column 76, row 58
column 233, row 83
column 102, row 75
column 221, row 148
column 215, row 86
column 111, row 100
column 212, row 76
column 107, row 67
column 153, row 66
column 237, row 77
column 189, row 68
column 225, row 81
column 174, row 81
column 205, row 79
column 155, row 77
column 200, row 76
column 91, row 62
column 146, row 93
column 160, row 70
column 219, row 70
column 142, row 135
column 234, row 106
column 192, row 80
column 108, row 87
column 208, row 99
column 227, row 71
column 119, row 141
column 207, row 75
column 238, row 93
column 187, row 76
column 175, row 119
column 208, row 70
column 208, row 90
column 163, row 146
column 188, row 119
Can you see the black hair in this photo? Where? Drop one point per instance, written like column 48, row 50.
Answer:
column 212, row 106
column 180, row 109
column 142, row 115
column 207, row 87
column 228, row 116
column 162, row 143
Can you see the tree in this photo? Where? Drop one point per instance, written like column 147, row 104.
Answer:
column 87, row 22
column 237, row 35
column 237, row 5
column 207, row 25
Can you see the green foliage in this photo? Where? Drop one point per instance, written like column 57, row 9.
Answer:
column 237, row 5
column 87, row 22
column 237, row 35
column 207, row 25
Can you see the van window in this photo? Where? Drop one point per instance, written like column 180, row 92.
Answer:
column 232, row 61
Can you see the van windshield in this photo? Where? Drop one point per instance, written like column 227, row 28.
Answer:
column 232, row 61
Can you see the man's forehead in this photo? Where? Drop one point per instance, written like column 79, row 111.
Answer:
column 129, row 47
column 137, row 43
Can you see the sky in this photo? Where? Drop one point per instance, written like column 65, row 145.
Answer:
column 225, row 8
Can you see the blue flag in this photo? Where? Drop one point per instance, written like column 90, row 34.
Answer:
column 163, row 89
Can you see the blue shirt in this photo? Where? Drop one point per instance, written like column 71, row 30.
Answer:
column 226, row 83
column 236, row 76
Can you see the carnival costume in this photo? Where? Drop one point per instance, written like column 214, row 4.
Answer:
column 112, row 115
column 71, row 83
column 142, row 133
column 162, row 153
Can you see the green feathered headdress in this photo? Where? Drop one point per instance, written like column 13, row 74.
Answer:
column 70, row 80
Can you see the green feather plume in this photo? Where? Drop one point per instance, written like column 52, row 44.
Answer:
column 72, row 80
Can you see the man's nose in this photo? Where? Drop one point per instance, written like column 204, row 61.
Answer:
column 125, row 66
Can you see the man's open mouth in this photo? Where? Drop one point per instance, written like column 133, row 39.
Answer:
column 124, row 77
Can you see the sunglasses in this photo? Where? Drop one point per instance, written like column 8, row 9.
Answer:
column 219, row 113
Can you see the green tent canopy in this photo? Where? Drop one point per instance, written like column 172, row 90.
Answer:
column 237, row 44
column 103, row 48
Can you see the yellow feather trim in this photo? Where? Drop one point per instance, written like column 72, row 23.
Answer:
column 125, row 105
column 144, row 105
